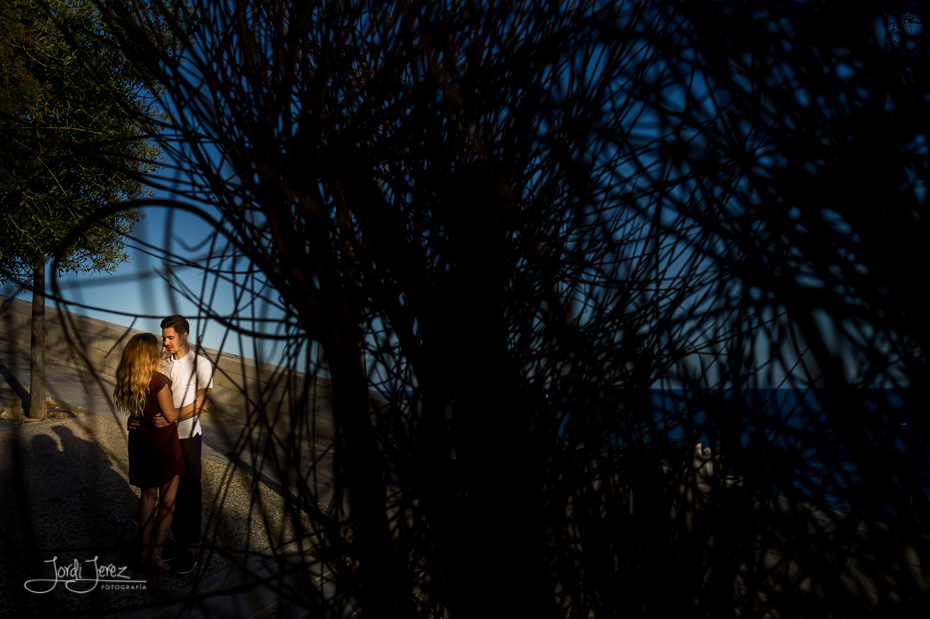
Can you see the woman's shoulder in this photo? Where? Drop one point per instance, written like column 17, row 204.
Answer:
column 158, row 382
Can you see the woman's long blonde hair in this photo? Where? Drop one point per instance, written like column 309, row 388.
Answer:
column 134, row 373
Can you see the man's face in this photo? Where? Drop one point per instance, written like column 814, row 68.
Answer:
column 172, row 340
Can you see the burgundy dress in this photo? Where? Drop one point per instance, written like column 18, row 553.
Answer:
column 154, row 453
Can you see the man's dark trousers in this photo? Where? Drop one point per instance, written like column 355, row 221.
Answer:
column 189, row 502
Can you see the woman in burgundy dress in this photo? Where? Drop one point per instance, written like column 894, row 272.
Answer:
column 155, row 459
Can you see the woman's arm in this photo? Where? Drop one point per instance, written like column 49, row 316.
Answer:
column 166, row 405
column 199, row 405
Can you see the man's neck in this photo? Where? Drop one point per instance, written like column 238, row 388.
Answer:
column 180, row 352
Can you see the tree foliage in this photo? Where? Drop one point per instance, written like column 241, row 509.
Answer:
column 73, row 121
column 525, row 216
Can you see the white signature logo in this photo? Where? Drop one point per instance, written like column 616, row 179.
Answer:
column 72, row 576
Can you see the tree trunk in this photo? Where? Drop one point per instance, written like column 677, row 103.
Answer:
column 37, row 407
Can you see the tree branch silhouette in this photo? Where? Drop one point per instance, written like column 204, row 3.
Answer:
column 513, row 223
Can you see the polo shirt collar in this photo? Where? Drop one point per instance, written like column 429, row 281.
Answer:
column 187, row 355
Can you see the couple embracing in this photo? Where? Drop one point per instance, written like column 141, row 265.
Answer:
column 164, row 387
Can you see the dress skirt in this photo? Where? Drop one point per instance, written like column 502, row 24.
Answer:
column 154, row 455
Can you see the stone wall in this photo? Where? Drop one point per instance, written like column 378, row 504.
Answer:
column 237, row 381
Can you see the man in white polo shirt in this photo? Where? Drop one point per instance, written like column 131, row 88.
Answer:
column 192, row 380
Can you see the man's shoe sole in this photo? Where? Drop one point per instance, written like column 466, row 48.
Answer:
column 185, row 571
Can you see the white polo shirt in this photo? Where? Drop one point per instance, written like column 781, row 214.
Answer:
column 188, row 374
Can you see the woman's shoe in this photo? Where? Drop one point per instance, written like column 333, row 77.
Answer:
column 153, row 564
column 158, row 564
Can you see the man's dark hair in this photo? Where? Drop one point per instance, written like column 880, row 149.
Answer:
column 177, row 322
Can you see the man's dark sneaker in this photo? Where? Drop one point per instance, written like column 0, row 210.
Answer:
column 172, row 552
column 184, row 564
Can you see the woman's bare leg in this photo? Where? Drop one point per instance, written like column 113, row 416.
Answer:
column 146, row 520
column 167, row 495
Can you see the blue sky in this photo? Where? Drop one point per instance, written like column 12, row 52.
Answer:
column 138, row 294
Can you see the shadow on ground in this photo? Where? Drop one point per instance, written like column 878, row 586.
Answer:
column 65, row 500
